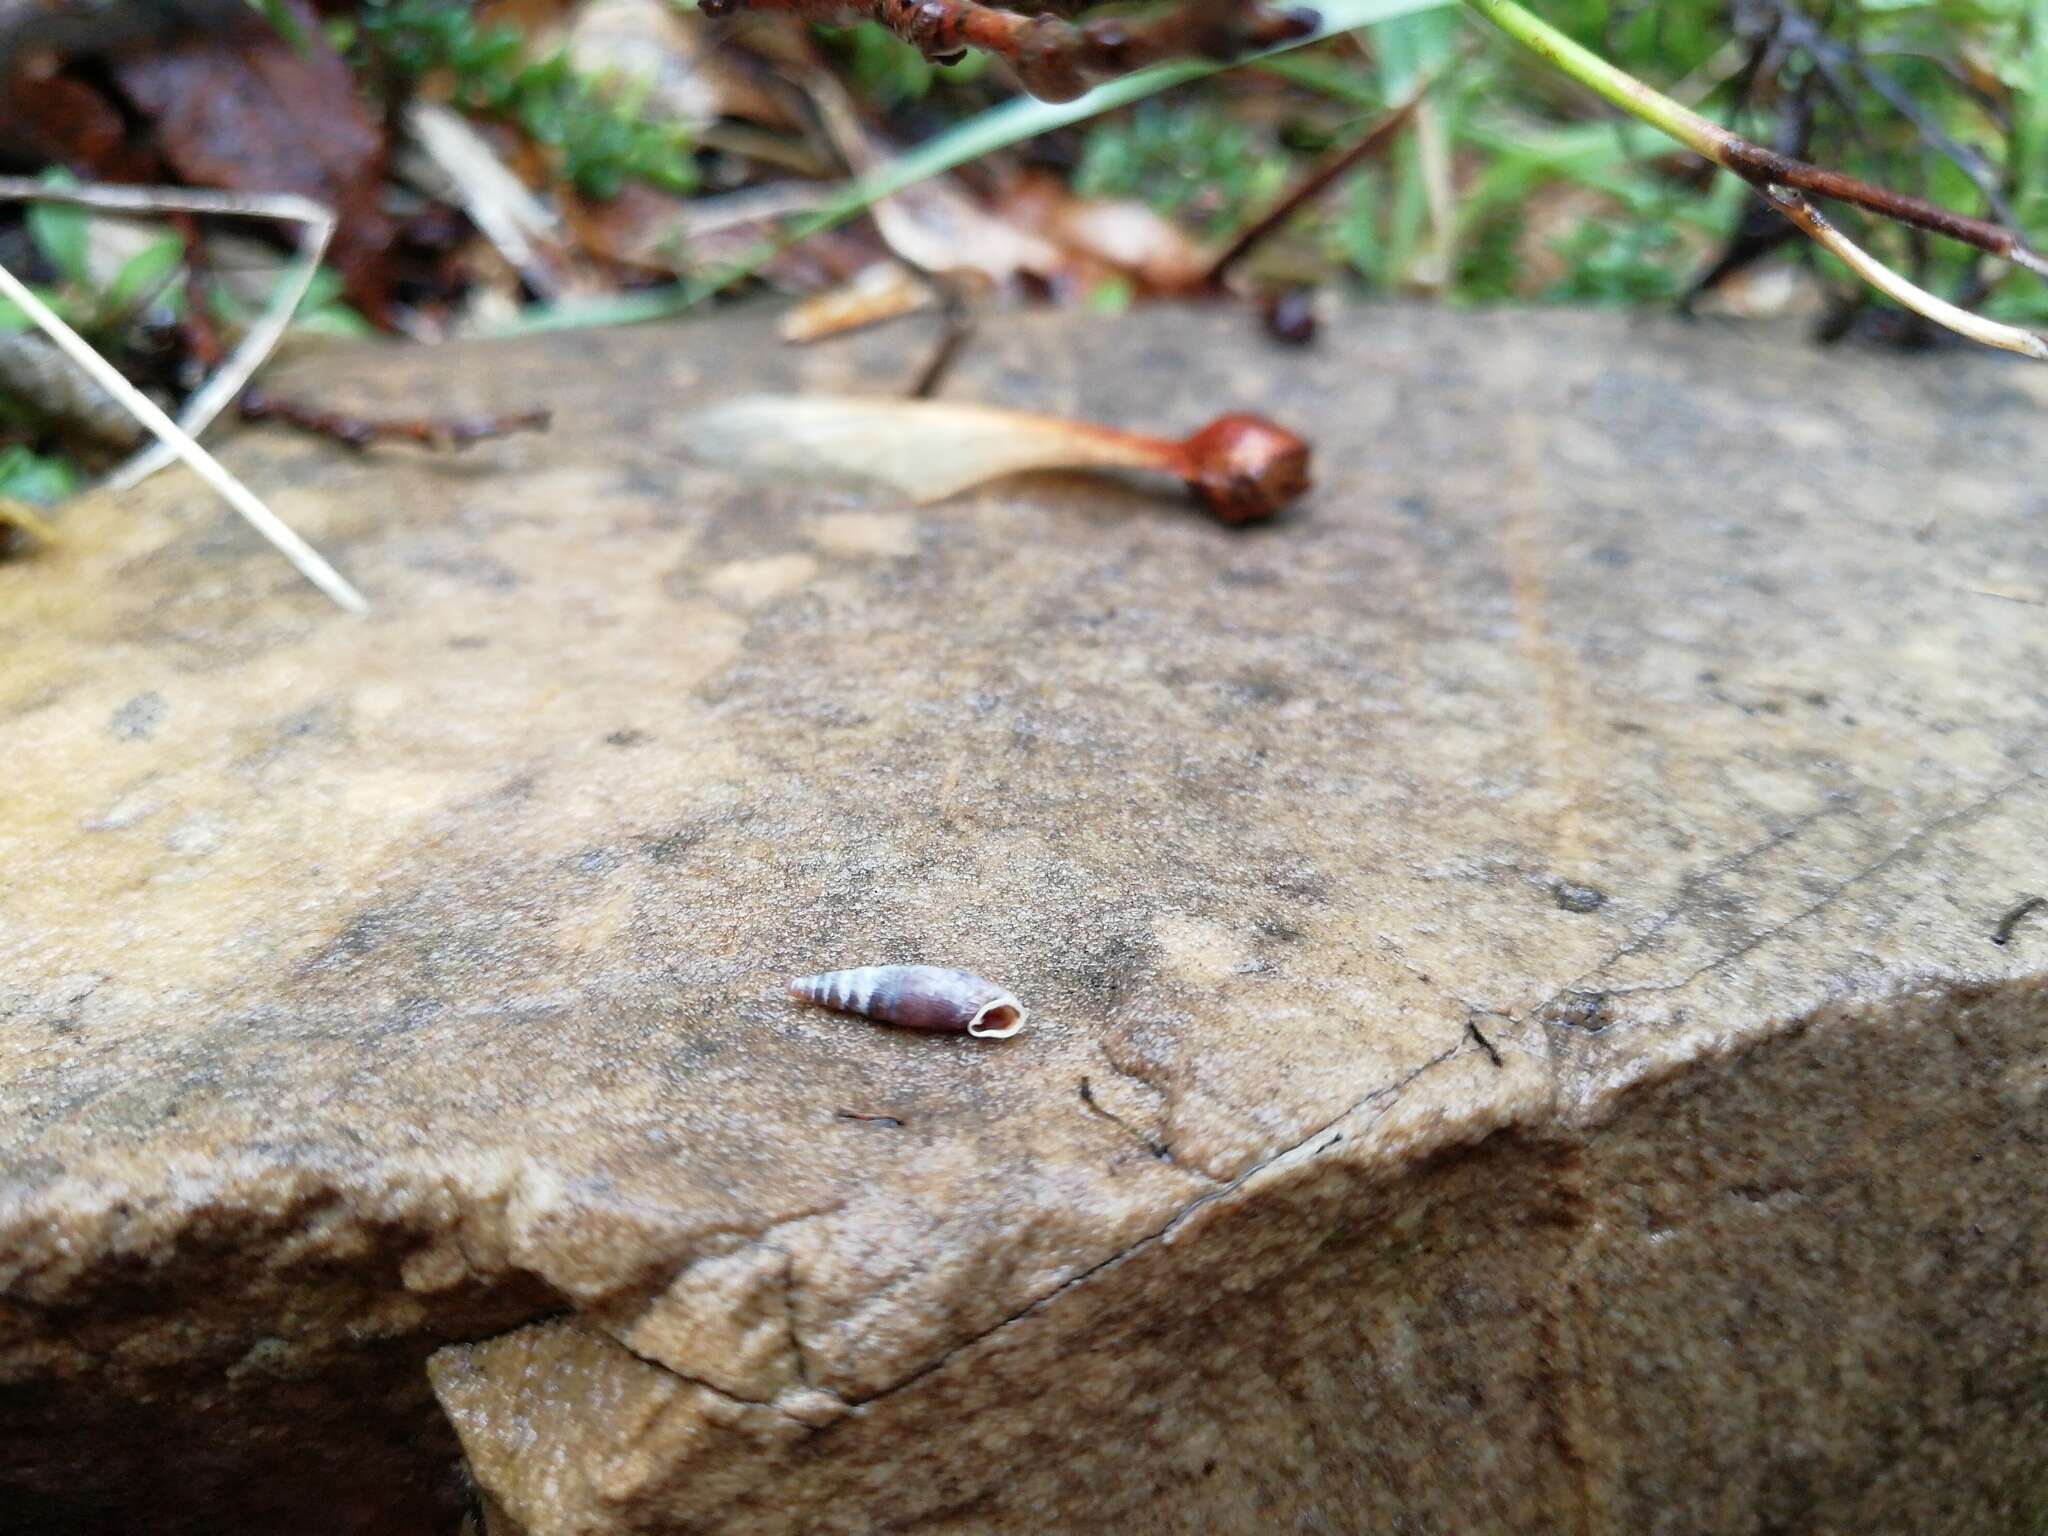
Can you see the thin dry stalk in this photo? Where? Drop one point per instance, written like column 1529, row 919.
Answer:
column 227, row 382
column 497, row 201
column 304, row 558
column 958, row 313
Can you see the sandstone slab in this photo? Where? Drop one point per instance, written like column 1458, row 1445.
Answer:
column 1523, row 1036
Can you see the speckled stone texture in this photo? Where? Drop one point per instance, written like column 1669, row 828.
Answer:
column 1519, row 1038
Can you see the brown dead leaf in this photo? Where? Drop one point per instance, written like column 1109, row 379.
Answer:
column 935, row 226
column 823, row 261
column 659, row 233
column 55, row 120
column 640, row 228
column 1122, row 236
column 534, row 18
column 255, row 114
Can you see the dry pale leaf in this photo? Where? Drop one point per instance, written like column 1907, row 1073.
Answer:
column 462, row 167
column 1123, row 235
column 882, row 291
column 935, row 226
column 671, row 56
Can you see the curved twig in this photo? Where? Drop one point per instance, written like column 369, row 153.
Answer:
column 1817, row 226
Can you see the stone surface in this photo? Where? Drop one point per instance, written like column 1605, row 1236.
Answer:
column 1524, row 923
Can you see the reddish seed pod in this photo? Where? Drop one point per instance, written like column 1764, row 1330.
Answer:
column 1245, row 468
column 1242, row 467
column 927, row 997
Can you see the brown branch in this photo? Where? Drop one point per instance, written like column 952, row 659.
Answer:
column 1765, row 168
column 892, row 1121
column 362, row 431
column 958, row 315
column 1762, row 167
column 1320, row 178
column 202, row 336
column 1056, row 59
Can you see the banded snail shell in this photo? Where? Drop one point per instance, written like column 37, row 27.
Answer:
column 925, row 997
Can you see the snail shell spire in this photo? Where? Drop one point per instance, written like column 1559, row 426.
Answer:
column 925, row 997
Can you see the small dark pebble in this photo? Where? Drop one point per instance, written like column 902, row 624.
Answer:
column 1579, row 898
column 138, row 719
column 1291, row 317
column 1582, row 1010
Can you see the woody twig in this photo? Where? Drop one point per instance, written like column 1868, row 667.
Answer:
column 1056, row 59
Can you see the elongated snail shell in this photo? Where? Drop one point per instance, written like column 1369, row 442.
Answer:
column 917, row 997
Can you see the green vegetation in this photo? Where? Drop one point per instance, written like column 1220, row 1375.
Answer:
column 59, row 233
column 39, row 479
column 1553, row 199
column 602, row 138
column 1189, row 158
column 888, row 71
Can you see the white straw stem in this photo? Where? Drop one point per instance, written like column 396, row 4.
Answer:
column 302, row 555
column 232, row 376
column 1824, row 233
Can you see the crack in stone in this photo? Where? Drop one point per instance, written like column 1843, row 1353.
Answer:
column 1838, row 802
column 1959, row 817
column 1391, row 1093
column 685, row 1377
column 1327, row 1134
column 1579, row 986
column 796, row 1342
column 1172, row 1093
column 799, row 1356
column 759, row 1237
